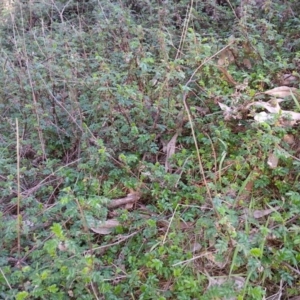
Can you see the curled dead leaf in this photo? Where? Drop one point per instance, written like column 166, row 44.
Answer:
column 225, row 108
column 238, row 281
column 130, row 199
column 257, row 214
column 212, row 257
column 271, row 106
column 294, row 116
column 228, row 78
column 247, row 63
column 196, row 247
column 281, row 91
column 263, row 117
column 287, row 118
column 226, row 57
column 289, row 139
column 272, row 160
column 288, row 79
column 106, row 227
column 228, row 112
column 170, row 150
column 62, row 246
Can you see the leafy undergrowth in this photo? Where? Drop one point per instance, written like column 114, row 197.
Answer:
column 144, row 152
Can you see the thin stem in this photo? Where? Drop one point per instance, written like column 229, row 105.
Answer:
column 184, row 32
column 7, row 282
column 191, row 119
column 18, row 191
column 197, row 148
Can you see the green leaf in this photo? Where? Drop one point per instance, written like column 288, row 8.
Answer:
column 52, row 288
column 256, row 252
column 22, row 295
column 56, row 228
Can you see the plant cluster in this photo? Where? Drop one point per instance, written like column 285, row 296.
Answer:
column 133, row 163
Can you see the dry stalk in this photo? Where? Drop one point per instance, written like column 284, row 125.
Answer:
column 121, row 240
column 19, row 219
column 186, row 106
column 34, row 96
column 184, row 31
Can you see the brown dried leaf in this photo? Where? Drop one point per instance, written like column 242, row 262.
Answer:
column 272, row 107
column 228, row 112
column 257, row 214
column 129, row 206
column 287, row 79
column 263, row 117
column 272, row 160
column 106, row 227
column 196, row 247
column 247, row 63
column 211, row 257
column 227, row 76
column 281, row 91
column 170, row 150
column 226, row 57
column 225, row 108
column 202, row 110
column 287, row 118
column 294, row 116
column 289, row 139
column 246, row 192
column 131, row 198
column 238, row 280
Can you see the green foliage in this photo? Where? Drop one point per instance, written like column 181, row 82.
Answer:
column 98, row 89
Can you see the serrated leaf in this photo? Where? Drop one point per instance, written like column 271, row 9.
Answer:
column 22, row 295
column 52, row 288
column 57, row 230
column 256, row 252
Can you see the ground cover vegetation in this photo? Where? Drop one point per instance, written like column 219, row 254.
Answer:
column 149, row 149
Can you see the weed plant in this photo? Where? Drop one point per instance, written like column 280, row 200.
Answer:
column 107, row 101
